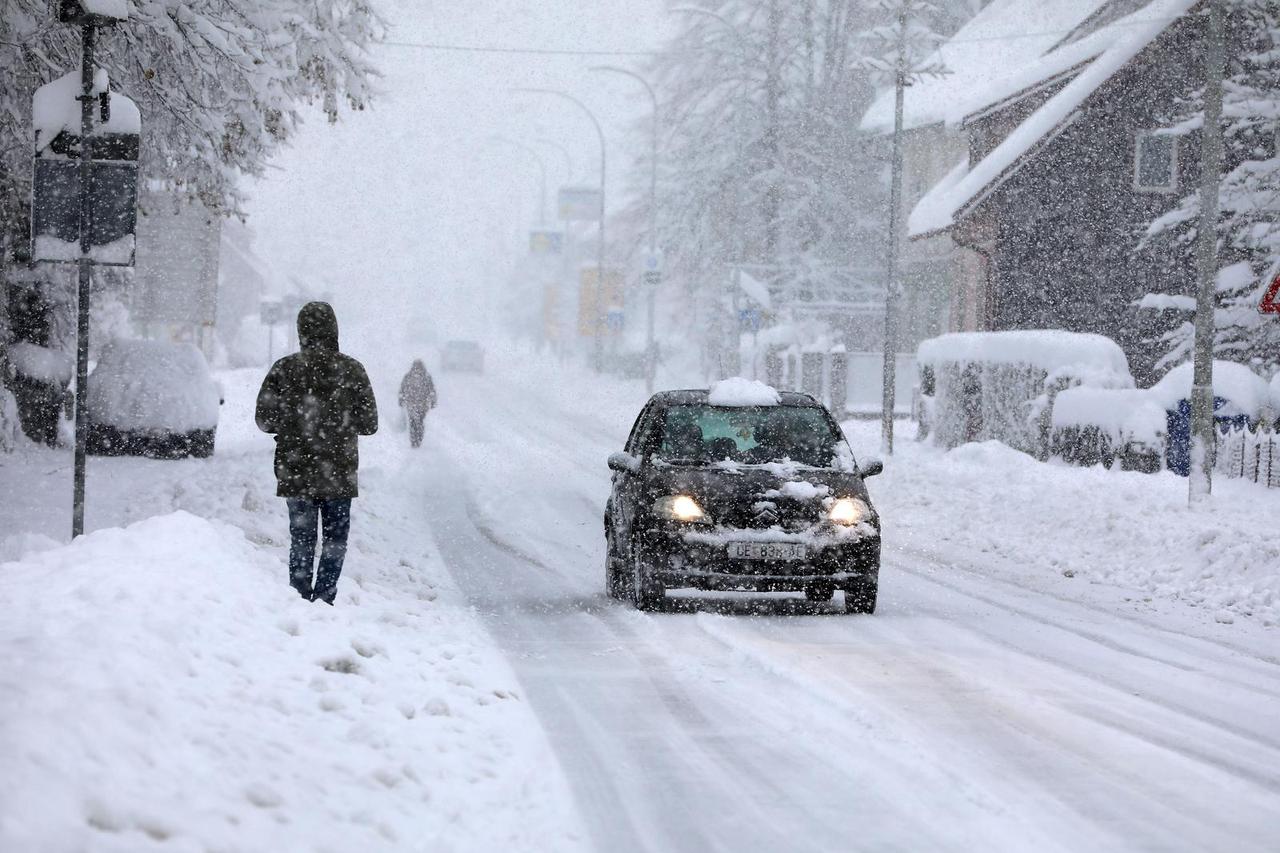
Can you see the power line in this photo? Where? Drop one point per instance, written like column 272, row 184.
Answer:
column 539, row 51
column 551, row 51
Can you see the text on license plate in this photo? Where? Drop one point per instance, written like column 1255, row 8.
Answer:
column 766, row 551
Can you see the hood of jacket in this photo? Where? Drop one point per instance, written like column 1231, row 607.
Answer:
column 318, row 327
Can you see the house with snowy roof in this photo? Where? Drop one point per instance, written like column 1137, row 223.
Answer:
column 1051, row 113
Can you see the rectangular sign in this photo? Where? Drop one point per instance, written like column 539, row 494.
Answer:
column 546, row 242
column 579, row 204
column 55, row 211
column 596, row 304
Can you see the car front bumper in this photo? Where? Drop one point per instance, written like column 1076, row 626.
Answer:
column 678, row 562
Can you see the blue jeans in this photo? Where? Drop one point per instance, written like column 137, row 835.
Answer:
column 306, row 515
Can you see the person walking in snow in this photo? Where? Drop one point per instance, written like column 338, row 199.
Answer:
column 317, row 403
column 417, row 397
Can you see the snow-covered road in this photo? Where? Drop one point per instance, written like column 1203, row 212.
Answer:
column 475, row 689
column 971, row 712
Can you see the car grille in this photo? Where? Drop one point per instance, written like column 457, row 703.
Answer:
column 789, row 515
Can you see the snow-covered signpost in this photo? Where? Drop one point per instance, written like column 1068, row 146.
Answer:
column 102, row 191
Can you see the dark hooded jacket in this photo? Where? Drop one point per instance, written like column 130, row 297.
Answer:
column 316, row 403
column 417, row 391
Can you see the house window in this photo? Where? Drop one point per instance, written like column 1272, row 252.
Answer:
column 1155, row 162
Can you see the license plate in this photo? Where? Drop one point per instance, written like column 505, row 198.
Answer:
column 766, row 551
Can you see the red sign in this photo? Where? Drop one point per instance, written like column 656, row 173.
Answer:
column 1270, row 303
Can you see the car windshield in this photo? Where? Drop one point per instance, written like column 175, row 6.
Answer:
column 702, row 434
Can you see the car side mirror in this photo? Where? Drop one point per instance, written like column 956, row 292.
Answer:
column 870, row 468
column 623, row 463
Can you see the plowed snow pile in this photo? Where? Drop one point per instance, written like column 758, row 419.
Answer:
column 988, row 505
column 162, row 687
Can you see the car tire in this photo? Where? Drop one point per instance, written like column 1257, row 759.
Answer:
column 820, row 593
column 646, row 590
column 861, row 598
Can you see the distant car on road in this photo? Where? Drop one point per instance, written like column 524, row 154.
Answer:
column 152, row 398
column 462, row 356
column 725, row 491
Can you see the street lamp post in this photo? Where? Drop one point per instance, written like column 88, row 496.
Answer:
column 650, row 345
column 598, row 349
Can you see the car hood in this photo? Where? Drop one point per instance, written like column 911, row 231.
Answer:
column 725, row 488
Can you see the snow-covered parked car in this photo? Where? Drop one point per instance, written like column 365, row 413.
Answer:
column 152, row 398
column 740, row 488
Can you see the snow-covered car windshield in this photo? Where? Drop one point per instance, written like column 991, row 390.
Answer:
column 702, row 434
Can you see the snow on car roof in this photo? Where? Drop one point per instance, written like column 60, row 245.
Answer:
column 738, row 391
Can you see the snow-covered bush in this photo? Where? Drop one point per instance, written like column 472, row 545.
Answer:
column 1245, row 393
column 41, row 364
column 1092, row 425
column 977, row 386
column 153, row 386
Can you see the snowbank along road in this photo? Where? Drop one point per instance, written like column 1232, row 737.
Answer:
column 997, row 700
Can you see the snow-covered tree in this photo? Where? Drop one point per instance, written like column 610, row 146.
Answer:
column 220, row 82
column 1249, row 227
column 763, row 164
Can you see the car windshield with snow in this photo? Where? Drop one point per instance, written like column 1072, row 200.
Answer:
column 740, row 489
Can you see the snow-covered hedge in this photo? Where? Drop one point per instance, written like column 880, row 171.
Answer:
column 978, row 386
column 153, row 386
column 1092, row 425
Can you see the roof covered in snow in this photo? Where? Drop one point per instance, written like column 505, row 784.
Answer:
column 999, row 52
column 1097, row 49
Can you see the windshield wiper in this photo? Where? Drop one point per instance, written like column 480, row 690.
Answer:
column 698, row 463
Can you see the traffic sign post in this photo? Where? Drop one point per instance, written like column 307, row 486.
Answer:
column 651, row 268
column 1270, row 303
column 84, row 199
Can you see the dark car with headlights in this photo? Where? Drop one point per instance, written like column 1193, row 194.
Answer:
column 740, row 497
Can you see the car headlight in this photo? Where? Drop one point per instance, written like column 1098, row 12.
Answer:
column 680, row 508
column 848, row 511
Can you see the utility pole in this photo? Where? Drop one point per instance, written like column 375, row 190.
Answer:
column 895, row 215
column 650, row 342
column 88, row 39
column 1203, row 438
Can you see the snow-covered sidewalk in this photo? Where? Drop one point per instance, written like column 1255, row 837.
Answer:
column 162, row 687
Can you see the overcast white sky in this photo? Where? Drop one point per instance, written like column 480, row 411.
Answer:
column 408, row 211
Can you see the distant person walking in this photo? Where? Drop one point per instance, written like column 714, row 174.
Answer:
column 417, row 397
column 317, row 403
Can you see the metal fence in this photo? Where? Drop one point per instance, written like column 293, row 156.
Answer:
column 1251, row 454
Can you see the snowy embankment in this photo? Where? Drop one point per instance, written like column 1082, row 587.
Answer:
column 161, row 685
column 1058, row 527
